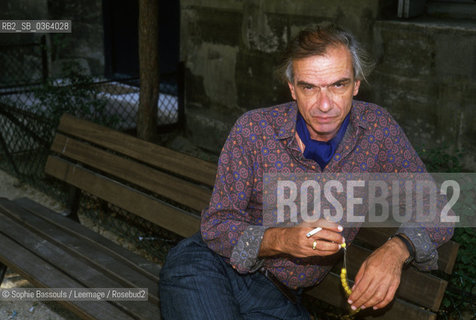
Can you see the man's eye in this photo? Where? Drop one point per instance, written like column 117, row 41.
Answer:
column 341, row 84
column 308, row 87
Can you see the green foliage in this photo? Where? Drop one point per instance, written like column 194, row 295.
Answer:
column 439, row 159
column 466, row 260
column 75, row 94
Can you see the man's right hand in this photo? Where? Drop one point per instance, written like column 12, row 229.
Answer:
column 293, row 240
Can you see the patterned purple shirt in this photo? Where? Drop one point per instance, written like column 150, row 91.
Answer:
column 263, row 141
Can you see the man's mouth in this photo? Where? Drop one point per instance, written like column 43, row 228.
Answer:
column 324, row 119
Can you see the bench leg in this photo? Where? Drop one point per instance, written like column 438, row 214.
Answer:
column 8, row 155
column 3, row 271
column 73, row 203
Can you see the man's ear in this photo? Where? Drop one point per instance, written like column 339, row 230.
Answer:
column 291, row 88
column 356, row 87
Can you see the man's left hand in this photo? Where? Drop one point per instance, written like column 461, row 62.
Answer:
column 379, row 276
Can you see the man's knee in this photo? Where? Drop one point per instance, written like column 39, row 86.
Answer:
column 194, row 276
column 191, row 257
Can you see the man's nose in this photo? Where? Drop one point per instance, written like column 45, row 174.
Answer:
column 323, row 100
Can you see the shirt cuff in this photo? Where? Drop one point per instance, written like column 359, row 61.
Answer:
column 244, row 256
column 426, row 255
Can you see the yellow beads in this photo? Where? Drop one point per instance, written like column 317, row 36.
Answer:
column 343, row 274
column 343, row 280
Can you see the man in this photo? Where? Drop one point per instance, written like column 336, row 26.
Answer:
column 239, row 268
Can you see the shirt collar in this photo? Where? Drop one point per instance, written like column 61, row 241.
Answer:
column 357, row 119
column 288, row 128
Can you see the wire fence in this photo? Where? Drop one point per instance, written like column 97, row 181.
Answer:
column 29, row 114
column 26, row 86
column 30, row 107
column 118, row 99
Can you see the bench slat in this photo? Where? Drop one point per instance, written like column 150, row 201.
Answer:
column 331, row 292
column 95, row 255
column 72, row 266
column 160, row 157
column 178, row 190
column 160, row 213
column 151, row 270
column 375, row 237
column 44, row 275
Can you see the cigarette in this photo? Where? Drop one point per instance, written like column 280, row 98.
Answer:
column 313, row 232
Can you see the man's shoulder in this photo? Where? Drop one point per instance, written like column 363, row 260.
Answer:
column 368, row 112
column 364, row 107
column 274, row 115
column 273, row 111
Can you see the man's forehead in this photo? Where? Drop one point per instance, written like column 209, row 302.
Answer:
column 335, row 65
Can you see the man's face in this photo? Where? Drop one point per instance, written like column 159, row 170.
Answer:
column 323, row 88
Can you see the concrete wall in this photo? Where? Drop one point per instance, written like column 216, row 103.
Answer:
column 426, row 77
column 24, row 9
column 230, row 49
column 84, row 44
column 21, row 63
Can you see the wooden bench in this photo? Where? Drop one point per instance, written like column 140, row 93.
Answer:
column 168, row 189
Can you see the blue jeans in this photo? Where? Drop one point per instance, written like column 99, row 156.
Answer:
column 196, row 283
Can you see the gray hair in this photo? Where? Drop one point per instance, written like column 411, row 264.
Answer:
column 315, row 41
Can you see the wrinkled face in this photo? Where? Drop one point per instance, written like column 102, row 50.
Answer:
column 323, row 88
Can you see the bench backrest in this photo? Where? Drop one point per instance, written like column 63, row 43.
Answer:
column 132, row 174
column 170, row 189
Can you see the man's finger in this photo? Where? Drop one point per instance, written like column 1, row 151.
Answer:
column 324, row 224
column 363, row 298
column 325, row 247
column 329, row 225
column 388, row 298
column 375, row 294
column 358, row 278
column 360, row 285
column 330, row 236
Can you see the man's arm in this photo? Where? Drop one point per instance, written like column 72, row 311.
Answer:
column 379, row 276
column 229, row 226
column 293, row 241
